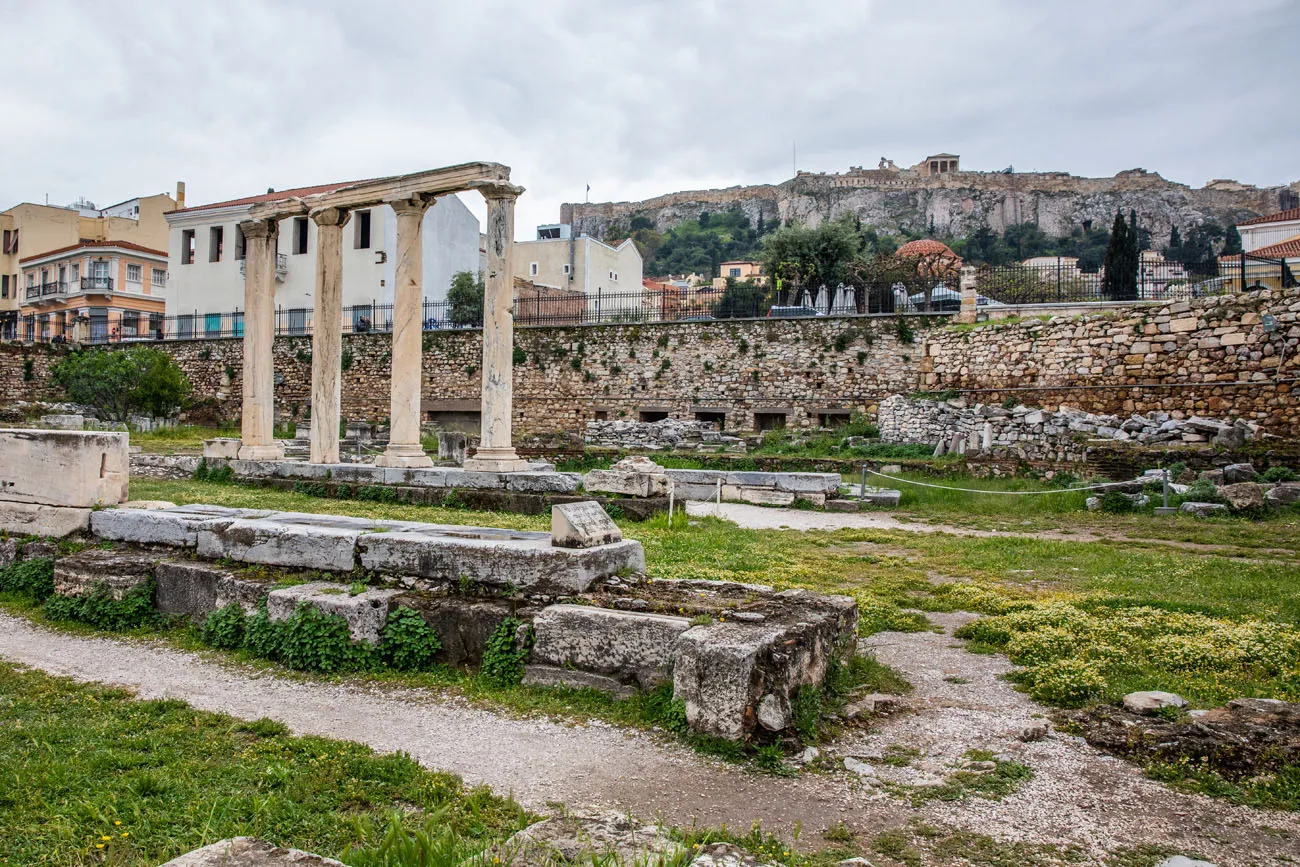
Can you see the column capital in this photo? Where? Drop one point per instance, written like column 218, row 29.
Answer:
column 497, row 189
column 260, row 228
column 329, row 216
column 416, row 204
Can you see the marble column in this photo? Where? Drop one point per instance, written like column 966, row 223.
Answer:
column 327, row 335
column 404, row 448
column 496, row 451
column 258, row 441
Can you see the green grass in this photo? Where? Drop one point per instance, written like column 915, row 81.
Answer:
column 79, row 763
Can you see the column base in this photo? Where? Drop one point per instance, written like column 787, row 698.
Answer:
column 272, row 452
column 496, row 461
column 404, row 456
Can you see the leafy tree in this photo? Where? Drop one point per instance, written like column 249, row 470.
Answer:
column 1231, row 242
column 699, row 246
column 741, row 299
column 122, row 383
column 802, row 261
column 465, row 299
column 1120, row 280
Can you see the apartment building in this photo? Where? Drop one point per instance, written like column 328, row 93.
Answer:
column 29, row 230
column 205, row 251
column 93, row 292
column 609, row 275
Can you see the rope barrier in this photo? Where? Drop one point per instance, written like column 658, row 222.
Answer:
column 981, row 491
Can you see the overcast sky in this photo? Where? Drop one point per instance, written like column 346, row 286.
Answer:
column 111, row 100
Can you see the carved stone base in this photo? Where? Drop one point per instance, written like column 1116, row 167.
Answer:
column 404, row 455
column 272, row 452
column 496, row 461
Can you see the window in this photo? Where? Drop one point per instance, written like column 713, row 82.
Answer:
column 4, row 285
column 532, row 269
column 8, row 238
column 733, row 272
column 241, row 246
column 187, row 247
column 361, row 231
column 76, row 272
column 567, row 268
column 216, row 240
column 212, row 325
column 31, row 279
column 159, row 278
column 299, row 235
column 134, row 274
column 130, row 323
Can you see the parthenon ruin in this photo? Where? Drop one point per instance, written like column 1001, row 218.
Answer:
column 409, row 196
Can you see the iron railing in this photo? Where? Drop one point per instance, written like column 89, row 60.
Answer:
column 1156, row 279
column 96, row 284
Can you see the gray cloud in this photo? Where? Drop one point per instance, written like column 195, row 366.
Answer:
column 115, row 99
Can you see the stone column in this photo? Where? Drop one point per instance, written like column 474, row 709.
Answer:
column 404, row 448
column 327, row 335
column 969, row 296
column 258, row 425
column 496, row 451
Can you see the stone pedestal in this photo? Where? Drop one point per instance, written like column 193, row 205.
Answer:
column 327, row 335
column 404, row 448
column 496, row 452
column 258, row 423
column 969, row 296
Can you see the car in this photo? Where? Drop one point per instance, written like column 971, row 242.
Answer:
column 801, row 311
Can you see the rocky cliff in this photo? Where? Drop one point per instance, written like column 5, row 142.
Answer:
column 955, row 203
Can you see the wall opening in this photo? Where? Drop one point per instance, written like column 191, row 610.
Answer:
column 460, row 421
column 833, row 418
column 652, row 415
column 187, row 247
column 216, row 240
column 719, row 419
column 769, row 421
column 361, row 231
column 299, row 235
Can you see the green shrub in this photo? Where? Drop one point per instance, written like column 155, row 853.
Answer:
column 407, row 642
column 1280, row 474
column 1066, row 683
column 375, row 494
column 1202, row 491
column 98, row 608
column 1115, row 503
column 123, row 382
column 262, row 636
column 224, row 628
column 31, row 578
column 806, row 711
column 224, row 474
column 1176, row 470
column 504, row 655
column 202, row 471
column 312, row 640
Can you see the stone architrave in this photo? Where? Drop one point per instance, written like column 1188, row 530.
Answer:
column 496, row 451
column 327, row 335
column 404, row 449
column 258, row 424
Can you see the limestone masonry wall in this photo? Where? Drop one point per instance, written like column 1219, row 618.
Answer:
column 1210, row 357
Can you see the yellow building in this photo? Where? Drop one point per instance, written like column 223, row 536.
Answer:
column 739, row 270
column 93, row 292
column 28, row 230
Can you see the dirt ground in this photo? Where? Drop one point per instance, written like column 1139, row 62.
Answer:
column 1077, row 795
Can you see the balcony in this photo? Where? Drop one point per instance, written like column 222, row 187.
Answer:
column 96, row 284
column 281, row 267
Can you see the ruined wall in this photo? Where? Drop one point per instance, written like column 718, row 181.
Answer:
column 1211, row 357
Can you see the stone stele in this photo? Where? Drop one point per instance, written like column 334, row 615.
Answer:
column 582, row 525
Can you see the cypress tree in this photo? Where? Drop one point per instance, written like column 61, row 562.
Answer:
column 1231, row 242
column 1120, row 280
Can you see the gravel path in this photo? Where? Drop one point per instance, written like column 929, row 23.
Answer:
column 1076, row 795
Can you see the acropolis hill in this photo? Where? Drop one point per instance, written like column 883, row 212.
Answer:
column 937, row 192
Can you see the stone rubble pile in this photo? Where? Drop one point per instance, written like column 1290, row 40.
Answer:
column 956, row 427
column 666, row 434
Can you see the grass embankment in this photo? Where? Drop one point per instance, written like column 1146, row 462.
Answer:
column 84, row 767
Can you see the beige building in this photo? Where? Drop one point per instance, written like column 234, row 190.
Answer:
column 93, row 292
column 739, row 269
column 609, row 276
column 28, row 230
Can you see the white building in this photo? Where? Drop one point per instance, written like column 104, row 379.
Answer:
column 609, row 275
column 206, row 262
column 1275, row 236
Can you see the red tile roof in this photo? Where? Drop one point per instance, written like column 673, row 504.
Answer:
column 1279, row 217
column 125, row 245
column 276, row 196
column 1288, row 249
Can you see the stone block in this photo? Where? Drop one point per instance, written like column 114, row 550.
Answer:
column 582, row 525
column 8, row 552
column 357, row 474
column 177, row 526
column 765, row 497
column 724, row 671
column 695, row 477
column 422, row 477
column 452, row 446
column 1150, row 701
column 842, row 505
column 751, row 480
column 118, row 571
column 74, row 469
column 475, row 479
column 297, row 541
column 1234, row 473
column 63, row 421
column 550, row 675
column 497, row 558
column 1283, row 494
column 629, row 646
column 34, row 519
column 303, row 471
column 244, row 592
column 882, row 497
column 1203, row 510
column 187, row 588
column 808, row 483
column 543, row 483
column 366, row 613
column 686, row 491
column 250, row 852
column 224, row 448
column 1243, row 496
